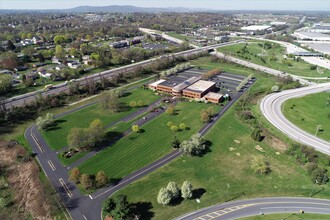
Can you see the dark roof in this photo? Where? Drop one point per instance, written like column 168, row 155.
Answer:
column 172, row 81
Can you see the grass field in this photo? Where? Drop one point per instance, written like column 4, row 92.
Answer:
column 228, row 164
column 309, row 113
column 288, row 216
column 256, row 51
column 138, row 150
column 57, row 137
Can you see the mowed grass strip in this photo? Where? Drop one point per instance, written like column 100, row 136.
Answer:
column 300, row 68
column 227, row 163
column 57, row 137
column 310, row 113
column 138, row 150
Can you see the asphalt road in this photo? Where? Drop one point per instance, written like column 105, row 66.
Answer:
column 252, row 207
column 271, row 108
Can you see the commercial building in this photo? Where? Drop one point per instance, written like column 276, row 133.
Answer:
column 256, row 28
column 278, row 23
column 153, row 86
column 321, row 28
column 177, row 90
column 198, row 89
column 213, row 97
column 167, row 85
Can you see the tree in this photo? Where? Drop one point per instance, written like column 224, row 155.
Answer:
column 256, row 134
column 170, row 110
column 75, row 175
column 132, row 104
column 164, row 196
column 95, row 132
column 135, row 128
column 320, row 176
column 101, row 179
column 86, row 181
column 275, row 88
column 210, row 111
column 5, row 83
column 260, row 165
column 174, row 128
column 174, row 189
column 183, row 126
column 109, row 100
column 59, row 39
column 170, row 124
column 186, row 190
column 194, row 146
column 10, row 45
column 175, row 143
column 41, row 58
column 44, row 123
column 117, row 207
column 204, row 116
column 140, row 103
column 77, row 138
column 8, row 60
column 59, row 52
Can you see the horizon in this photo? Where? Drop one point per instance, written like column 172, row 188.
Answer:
column 240, row 5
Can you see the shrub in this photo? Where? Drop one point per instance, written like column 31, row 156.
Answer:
column 260, row 165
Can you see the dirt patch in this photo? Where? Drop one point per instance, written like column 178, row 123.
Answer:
column 276, row 143
column 260, row 148
column 237, row 141
column 23, row 178
column 232, row 149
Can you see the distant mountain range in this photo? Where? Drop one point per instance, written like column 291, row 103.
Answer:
column 110, row 8
column 130, row 9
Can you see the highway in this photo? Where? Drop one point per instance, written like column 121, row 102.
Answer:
column 252, row 207
column 28, row 97
column 271, row 107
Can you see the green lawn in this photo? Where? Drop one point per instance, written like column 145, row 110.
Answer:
column 138, row 150
column 75, row 157
column 309, row 113
column 57, row 137
column 256, row 51
column 228, row 163
column 288, row 216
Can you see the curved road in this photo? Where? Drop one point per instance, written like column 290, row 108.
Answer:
column 252, row 207
column 271, row 108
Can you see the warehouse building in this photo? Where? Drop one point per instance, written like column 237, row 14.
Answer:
column 198, row 89
column 312, row 36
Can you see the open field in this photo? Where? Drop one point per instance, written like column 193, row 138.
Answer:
column 228, row 164
column 310, row 113
column 57, row 137
column 137, row 150
column 273, row 57
column 289, row 216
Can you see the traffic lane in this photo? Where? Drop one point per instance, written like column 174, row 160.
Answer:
column 242, row 208
column 69, row 194
column 271, row 108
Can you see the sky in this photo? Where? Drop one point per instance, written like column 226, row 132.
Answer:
column 208, row 4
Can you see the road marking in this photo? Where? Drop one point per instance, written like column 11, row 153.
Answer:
column 36, row 141
column 65, row 187
column 90, row 196
column 84, row 217
column 51, row 165
column 223, row 212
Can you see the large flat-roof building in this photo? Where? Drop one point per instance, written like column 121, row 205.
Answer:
column 199, row 89
column 256, row 28
column 321, row 28
column 167, row 85
column 177, row 90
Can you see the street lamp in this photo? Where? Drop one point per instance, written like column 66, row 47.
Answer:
column 317, row 129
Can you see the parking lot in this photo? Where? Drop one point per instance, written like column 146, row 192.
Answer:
column 225, row 82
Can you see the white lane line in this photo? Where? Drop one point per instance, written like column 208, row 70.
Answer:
column 84, row 217
column 37, row 142
column 51, row 165
column 65, row 187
